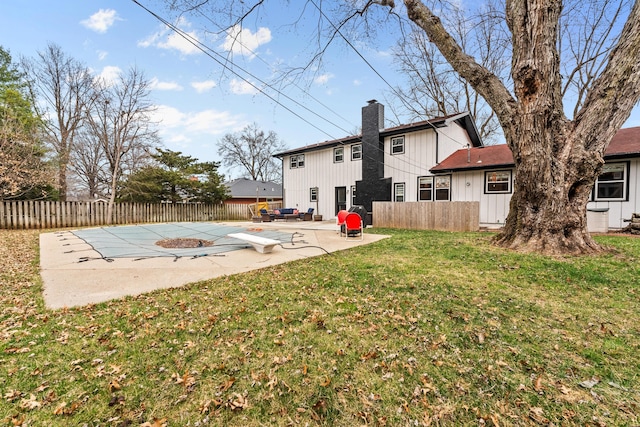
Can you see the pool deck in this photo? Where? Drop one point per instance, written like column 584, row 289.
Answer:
column 68, row 282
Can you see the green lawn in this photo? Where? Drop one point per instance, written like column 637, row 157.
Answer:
column 424, row 328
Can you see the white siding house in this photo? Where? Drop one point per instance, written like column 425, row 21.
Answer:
column 381, row 164
column 485, row 174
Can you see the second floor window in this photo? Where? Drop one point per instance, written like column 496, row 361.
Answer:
column 297, row 161
column 356, row 152
column 338, row 154
column 397, row 145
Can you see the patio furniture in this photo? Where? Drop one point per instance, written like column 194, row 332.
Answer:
column 353, row 225
column 308, row 215
column 342, row 215
column 266, row 216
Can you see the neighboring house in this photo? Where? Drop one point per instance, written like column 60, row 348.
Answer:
column 378, row 165
column 485, row 174
column 247, row 191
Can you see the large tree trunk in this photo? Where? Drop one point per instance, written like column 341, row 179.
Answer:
column 556, row 160
column 548, row 207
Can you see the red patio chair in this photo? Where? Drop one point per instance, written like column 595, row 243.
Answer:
column 353, row 225
column 342, row 215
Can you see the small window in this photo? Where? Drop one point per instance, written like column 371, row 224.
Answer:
column 313, row 194
column 443, row 187
column 497, row 182
column 356, row 152
column 398, row 190
column 297, row 161
column 612, row 182
column 353, row 195
column 338, row 154
column 397, row 145
column 425, row 188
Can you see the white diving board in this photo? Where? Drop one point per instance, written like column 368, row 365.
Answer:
column 261, row 244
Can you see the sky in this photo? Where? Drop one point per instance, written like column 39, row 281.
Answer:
column 198, row 99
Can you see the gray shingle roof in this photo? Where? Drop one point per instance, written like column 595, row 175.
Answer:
column 243, row 187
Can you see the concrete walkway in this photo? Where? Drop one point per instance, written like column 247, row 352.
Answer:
column 68, row 282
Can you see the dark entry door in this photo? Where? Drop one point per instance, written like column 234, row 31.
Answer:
column 341, row 199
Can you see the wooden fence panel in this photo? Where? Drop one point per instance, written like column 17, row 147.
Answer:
column 445, row 216
column 23, row 214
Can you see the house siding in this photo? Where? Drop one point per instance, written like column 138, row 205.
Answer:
column 619, row 211
column 494, row 208
column 423, row 149
column 319, row 171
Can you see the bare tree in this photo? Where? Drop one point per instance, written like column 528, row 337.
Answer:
column 557, row 159
column 433, row 88
column 252, row 151
column 89, row 164
column 120, row 121
column 64, row 88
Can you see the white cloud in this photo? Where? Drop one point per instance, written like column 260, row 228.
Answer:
column 203, row 86
column 101, row 20
column 102, row 54
column 110, row 74
column 357, row 82
column 167, row 39
column 242, row 87
column 323, row 78
column 183, row 129
column 158, row 85
column 243, row 42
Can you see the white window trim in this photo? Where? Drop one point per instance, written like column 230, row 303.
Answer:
column 624, row 181
column 338, row 155
column 435, row 188
column 397, row 186
column 359, row 152
column 313, row 194
column 296, row 161
column 393, row 141
column 420, row 190
column 509, row 182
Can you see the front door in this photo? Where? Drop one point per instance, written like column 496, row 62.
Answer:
column 341, row 199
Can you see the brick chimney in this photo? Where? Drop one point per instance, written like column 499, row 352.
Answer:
column 373, row 186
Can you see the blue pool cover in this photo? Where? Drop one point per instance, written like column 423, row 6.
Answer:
column 140, row 241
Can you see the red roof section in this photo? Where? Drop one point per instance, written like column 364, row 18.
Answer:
column 477, row 158
column 625, row 143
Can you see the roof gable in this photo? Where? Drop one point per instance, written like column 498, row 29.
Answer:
column 464, row 120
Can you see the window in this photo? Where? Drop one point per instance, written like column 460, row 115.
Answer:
column 443, row 187
column 425, row 188
column 397, row 145
column 612, row 182
column 398, row 190
column 313, row 194
column 297, row 161
column 338, row 154
column 497, row 182
column 353, row 195
column 356, row 152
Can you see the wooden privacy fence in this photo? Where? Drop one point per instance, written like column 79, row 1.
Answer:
column 29, row 214
column 447, row 216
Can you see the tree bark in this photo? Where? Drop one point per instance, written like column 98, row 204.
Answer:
column 556, row 160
